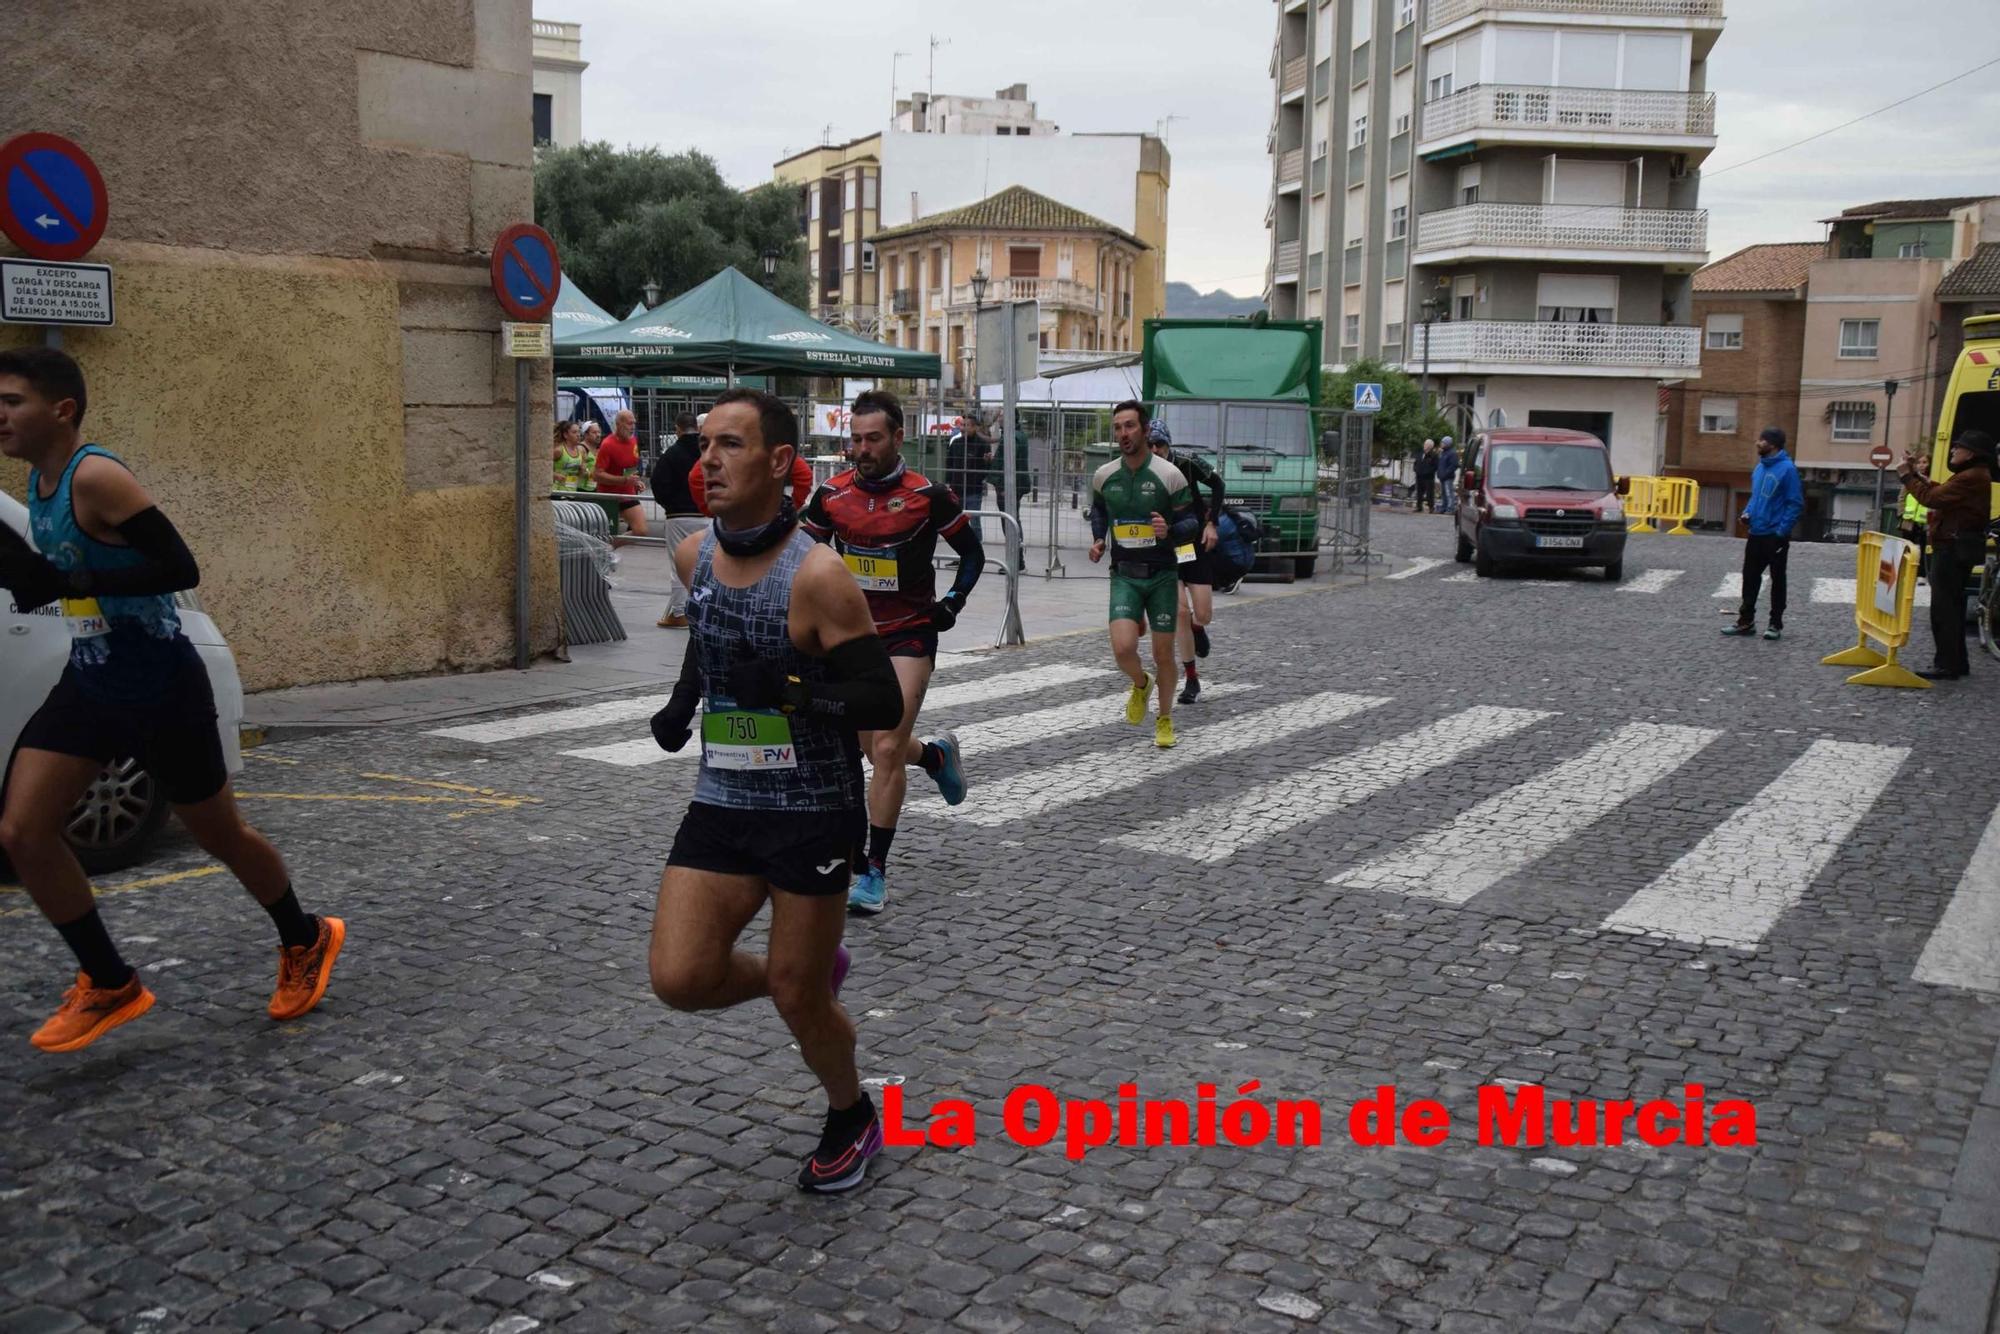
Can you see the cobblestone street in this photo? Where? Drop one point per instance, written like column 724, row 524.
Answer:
column 1432, row 831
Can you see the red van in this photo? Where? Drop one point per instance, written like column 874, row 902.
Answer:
column 1540, row 497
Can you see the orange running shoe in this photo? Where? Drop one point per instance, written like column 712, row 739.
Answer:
column 89, row 1012
column 303, row 970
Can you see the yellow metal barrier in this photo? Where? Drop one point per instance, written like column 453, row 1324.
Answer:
column 1885, row 589
column 1679, row 499
column 1642, row 504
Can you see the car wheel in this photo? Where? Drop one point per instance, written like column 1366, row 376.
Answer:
column 110, row 828
column 1464, row 552
column 1614, row 571
column 1483, row 565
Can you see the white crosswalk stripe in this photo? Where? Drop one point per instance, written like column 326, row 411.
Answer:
column 1002, row 734
column 1136, row 760
column 557, row 720
column 1838, row 592
column 1733, row 886
column 1505, row 833
column 642, row 752
column 1418, row 566
column 1270, row 809
column 1650, row 581
column 1964, row 950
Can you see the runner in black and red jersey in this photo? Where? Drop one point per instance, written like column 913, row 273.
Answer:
column 885, row 521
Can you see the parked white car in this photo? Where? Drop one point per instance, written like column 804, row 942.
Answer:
column 112, row 826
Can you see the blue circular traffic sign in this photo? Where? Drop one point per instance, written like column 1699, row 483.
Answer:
column 52, row 200
column 526, row 271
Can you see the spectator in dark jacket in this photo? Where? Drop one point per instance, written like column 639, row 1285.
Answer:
column 673, row 495
column 1960, row 510
column 1427, row 471
column 1447, row 475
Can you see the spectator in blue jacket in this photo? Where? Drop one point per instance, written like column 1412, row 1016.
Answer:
column 1447, row 475
column 1776, row 501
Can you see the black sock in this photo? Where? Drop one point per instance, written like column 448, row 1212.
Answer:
column 932, row 759
column 95, row 954
column 879, row 840
column 853, row 1117
column 295, row 927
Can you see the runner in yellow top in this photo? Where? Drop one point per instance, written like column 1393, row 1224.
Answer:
column 1142, row 504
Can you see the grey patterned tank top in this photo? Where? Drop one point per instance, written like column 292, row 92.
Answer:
column 754, row 759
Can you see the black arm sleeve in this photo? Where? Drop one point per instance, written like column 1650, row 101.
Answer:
column 864, row 693
column 169, row 565
column 971, row 562
column 1100, row 519
column 1185, row 524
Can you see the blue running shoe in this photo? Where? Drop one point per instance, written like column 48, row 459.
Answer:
column 870, row 892
column 951, row 774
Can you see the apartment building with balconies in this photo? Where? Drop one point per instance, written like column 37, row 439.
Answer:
column 1026, row 246
column 839, row 208
column 1523, row 173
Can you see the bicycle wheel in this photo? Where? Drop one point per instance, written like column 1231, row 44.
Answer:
column 1989, row 619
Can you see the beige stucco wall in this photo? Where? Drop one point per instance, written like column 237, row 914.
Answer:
column 305, row 368
column 1901, row 293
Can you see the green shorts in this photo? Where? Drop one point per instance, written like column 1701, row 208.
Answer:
column 1149, row 599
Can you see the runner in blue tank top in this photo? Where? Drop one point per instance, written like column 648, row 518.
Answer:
column 134, row 687
column 783, row 659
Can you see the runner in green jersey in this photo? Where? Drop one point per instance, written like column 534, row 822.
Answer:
column 1142, row 505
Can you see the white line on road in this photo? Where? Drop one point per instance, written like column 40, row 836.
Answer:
column 1270, row 809
column 1506, row 832
column 557, row 720
column 1650, row 581
column 1000, row 734
column 1467, row 577
column 1137, row 761
column 1736, row 883
column 1964, row 950
column 1418, row 566
column 1842, row 590
column 639, row 753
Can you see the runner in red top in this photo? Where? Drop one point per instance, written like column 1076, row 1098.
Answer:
column 886, row 521
column 618, row 470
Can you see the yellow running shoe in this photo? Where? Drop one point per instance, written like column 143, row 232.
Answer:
column 88, row 1012
column 1163, row 733
column 1135, row 703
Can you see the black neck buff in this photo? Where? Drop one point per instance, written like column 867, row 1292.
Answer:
column 885, row 481
column 755, row 541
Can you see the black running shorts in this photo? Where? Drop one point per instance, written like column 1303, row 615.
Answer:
column 913, row 643
column 1196, row 571
column 173, row 735
column 801, row 852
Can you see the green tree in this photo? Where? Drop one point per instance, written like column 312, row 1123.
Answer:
column 623, row 216
column 1402, row 426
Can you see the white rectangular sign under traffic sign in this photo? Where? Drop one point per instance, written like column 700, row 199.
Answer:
column 43, row 291
column 527, row 340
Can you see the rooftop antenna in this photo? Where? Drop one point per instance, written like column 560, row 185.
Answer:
column 1167, row 125
column 894, row 58
column 936, row 42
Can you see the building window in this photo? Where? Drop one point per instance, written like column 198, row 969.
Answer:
column 1024, row 261
column 1350, row 330
column 545, row 119
column 1360, row 136
column 1718, row 416
column 850, row 194
column 937, row 271
column 1403, row 123
column 1468, row 184
column 1392, row 336
column 1438, row 87
column 1859, row 338
column 1854, row 423
column 1399, row 222
column 1911, row 250
column 847, row 257
column 1725, row 333
column 1573, row 298
column 868, row 257
column 812, row 206
column 868, row 191
column 1406, row 13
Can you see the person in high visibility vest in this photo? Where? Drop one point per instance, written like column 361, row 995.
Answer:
column 1912, row 529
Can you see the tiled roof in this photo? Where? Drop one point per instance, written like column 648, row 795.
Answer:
column 1978, row 275
column 1777, row 267
column 1907, row 208
column 1015, row 209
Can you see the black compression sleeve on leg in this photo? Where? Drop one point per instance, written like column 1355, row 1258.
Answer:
column 169, row 566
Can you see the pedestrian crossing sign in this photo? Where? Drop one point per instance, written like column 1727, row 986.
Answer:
column 1367, row 397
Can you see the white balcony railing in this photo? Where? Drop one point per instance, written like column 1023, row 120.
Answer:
column 1494, row 226
column 1049, row 291
column 1530, row 343
column 1288, row 258
column 1292, row 167
column 1568, row 111
column 1293, row 79
column 1443, row 13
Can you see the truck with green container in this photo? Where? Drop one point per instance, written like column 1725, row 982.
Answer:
column 1242, row 392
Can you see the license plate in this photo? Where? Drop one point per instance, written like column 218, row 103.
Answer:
column 1544, row 540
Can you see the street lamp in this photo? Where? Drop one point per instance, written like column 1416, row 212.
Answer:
column 1430, row 310
column 770, row 258
column 652, row 292
column 978, row 290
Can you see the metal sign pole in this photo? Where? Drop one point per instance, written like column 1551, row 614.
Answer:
column 521, row 372
column 1010, row 628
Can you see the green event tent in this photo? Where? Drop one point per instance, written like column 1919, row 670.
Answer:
column 732, row 326
column 575, row 314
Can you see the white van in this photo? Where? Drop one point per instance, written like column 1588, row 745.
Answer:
column 112, row 826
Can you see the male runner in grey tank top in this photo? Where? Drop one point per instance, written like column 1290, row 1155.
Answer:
column 784, row 659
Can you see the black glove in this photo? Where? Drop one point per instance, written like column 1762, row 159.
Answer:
column 671, row 725
column 759, row 683
column 944, row 615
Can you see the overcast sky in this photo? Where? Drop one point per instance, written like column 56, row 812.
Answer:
column 752, row 81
